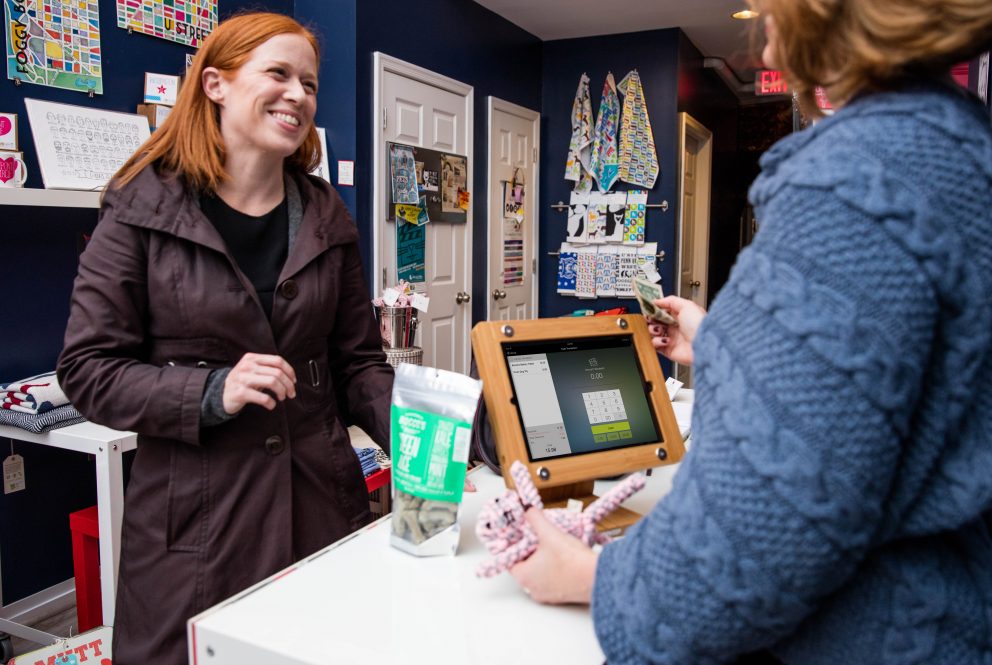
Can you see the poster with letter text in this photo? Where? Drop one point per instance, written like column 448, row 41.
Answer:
column 54, row 43
column 184, row 21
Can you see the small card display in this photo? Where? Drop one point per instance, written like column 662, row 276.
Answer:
column 8, row 131
column 161, row 89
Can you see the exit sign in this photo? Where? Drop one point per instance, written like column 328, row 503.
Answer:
column 770, row 82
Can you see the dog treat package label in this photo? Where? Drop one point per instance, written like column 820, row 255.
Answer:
column 432, row 413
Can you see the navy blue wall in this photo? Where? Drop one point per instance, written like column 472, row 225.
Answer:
column 655, row 55
column 334, row 23
column 38, row 257
column 466, row 42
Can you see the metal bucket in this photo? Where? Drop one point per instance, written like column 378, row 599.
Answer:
column 397, row 326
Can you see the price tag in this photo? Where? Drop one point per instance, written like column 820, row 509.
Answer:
column 651, row 272
column 674, row 386
column 390, row 296
column 421, row 302
column 13, row 474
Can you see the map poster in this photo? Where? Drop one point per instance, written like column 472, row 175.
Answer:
column 54, row 43
column 183, row 21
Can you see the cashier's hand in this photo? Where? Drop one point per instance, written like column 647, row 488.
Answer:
column 675, row 342
column 258, row 379
column 562, row 568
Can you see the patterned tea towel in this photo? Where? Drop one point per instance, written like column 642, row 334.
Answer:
column 606, row 271
column 596, row 218
column 634, row 219
column 60, row 416
column 605, row 163
column 585, row 273
column 567, row 261
column 34, row 395
column 626, row 271
column 578, row 203
column 638, row 159
column 616, row 205
column 580, row 146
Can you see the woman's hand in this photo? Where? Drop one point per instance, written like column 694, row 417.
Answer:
column 675, row 342
column 561, row 569
column 258, row 379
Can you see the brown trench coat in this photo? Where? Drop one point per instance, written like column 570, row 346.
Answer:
column 157, row 304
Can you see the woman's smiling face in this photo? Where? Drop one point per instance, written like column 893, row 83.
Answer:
column 268, row 105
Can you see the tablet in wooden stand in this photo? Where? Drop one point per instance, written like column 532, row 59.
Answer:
column 576, row 399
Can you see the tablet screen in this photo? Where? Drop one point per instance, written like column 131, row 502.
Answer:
column 580, row 395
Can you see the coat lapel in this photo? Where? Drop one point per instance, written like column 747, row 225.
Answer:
column 326, row 223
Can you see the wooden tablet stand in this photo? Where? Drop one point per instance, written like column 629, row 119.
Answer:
column 572, row 476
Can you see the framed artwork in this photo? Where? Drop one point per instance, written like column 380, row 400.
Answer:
column 80, row 147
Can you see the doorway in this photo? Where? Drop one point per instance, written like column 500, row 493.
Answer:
column 695, row 167
column 417, row 107
column 514, row 164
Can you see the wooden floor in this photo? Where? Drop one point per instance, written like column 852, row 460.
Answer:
column 63, row 623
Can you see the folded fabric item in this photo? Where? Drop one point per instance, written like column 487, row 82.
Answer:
column 38, row 393
column 382, row 458
column 365, row 453
column 60, row 416
column 366, row 472
column 20, row 408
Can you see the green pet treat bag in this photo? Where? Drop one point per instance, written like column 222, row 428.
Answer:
column 431, row 432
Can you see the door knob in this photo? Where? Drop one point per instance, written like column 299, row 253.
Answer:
column 462, row 297
column 498, row 294
column 695, row 284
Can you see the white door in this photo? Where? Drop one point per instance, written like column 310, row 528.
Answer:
column 514, row 140
column 419, row 108
column 695, row 148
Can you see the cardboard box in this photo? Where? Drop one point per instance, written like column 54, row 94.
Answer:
column 156, row 114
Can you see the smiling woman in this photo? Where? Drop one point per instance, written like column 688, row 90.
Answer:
column 220, row 313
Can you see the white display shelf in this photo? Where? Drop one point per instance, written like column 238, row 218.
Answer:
column 107, row 447
column 53, row 198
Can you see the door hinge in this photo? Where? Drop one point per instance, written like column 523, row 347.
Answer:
column 384, row 278
column 533, row 266
column 384, row 117
column 535, row 155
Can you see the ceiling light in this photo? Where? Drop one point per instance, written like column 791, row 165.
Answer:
column 745, row 14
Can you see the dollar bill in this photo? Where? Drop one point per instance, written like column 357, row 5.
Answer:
column 646, row 293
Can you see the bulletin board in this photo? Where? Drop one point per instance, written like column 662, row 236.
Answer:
column 440, row 176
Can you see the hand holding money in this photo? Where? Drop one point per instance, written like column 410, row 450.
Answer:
column 647, row 292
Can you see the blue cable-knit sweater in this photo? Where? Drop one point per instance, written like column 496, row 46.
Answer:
column 835, row 506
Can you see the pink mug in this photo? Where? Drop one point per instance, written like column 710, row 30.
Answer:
column 13, row 170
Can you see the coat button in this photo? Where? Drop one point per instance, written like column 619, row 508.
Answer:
column 201, row 363
column 274, row 445
column 289, row 289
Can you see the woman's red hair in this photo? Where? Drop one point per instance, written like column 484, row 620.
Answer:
column 189, row 143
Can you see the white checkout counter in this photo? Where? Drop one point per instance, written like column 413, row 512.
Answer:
column 360, row 600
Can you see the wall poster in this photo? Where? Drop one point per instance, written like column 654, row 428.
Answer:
column 80, row 147
column 54, row 43
column 184, row 21
column 429, row 169
column 411, row 241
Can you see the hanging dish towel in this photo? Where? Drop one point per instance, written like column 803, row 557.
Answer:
column 638, row 159
column 605, row 164
column 579, row 148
